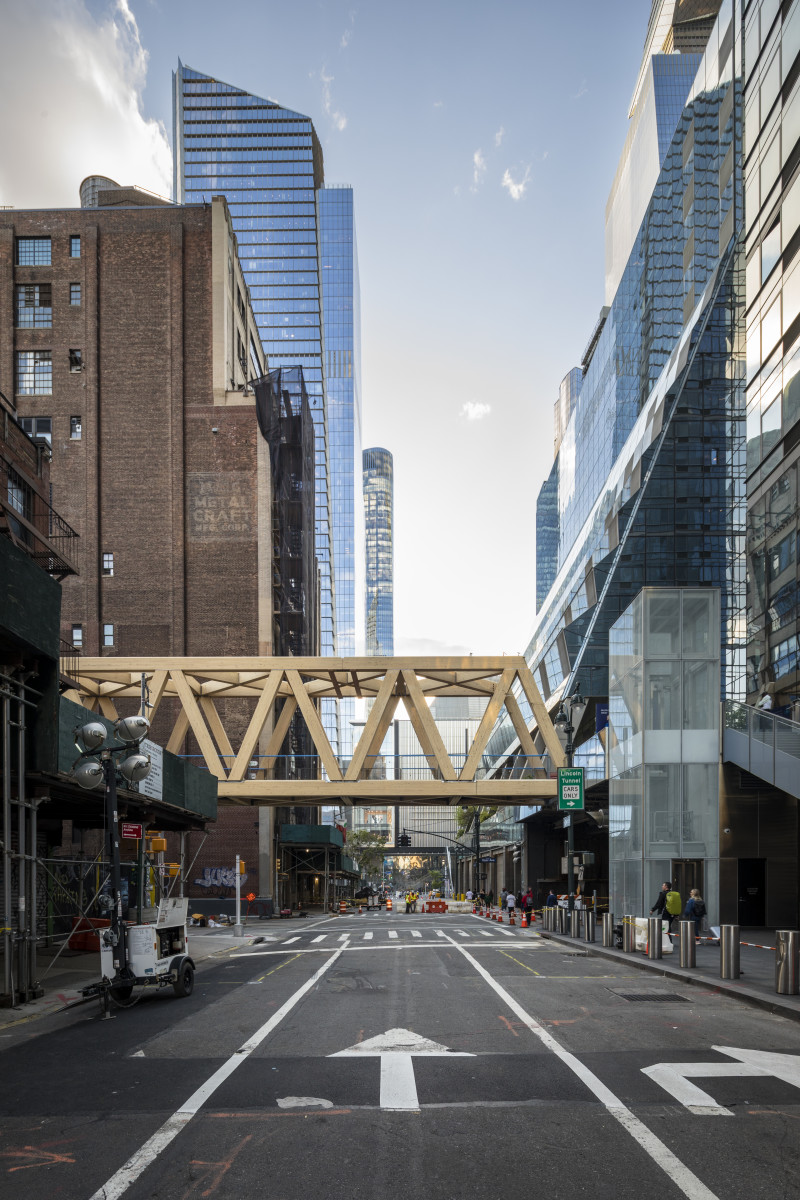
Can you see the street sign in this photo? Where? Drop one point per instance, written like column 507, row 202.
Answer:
column 131, row 829
column 395, row 1049
column 674, row 1077
column 487, row 858
column 570, row 788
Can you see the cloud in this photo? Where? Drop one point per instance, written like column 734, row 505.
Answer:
column 438, row 104
column 478, row 169
column 516, row 188
column 338, row 119
column 475, row 411
column 582, row 90
column 84, row 115
column 498, row 137
column 345, row 39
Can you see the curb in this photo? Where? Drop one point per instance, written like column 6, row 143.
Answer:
column 773, row 1004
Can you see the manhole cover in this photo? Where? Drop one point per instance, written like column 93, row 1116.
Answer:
column 650, row 997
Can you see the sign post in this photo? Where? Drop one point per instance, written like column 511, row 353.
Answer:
column 570, row 789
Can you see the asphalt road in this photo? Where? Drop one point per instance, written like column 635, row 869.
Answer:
column 479, row 1062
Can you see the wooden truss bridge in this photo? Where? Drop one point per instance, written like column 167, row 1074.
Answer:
column 238, row 712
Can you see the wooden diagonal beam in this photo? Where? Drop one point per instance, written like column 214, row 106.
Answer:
column 211, row 715
column 314, row 725
column 549, row 735
column 179, row 731
column 156, row 689
column 487, row 723
column 425, row 727
column 281, row 729
column 373, row 750
column 362, row 748
column 197, row 724
column 527, row 744
column 257, row 723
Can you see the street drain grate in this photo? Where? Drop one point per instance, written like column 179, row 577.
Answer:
column 652, row 997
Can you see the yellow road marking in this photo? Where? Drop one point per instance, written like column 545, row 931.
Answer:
column 516, row 960
column 278, row 968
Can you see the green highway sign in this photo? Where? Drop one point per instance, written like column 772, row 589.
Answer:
column 570, row 788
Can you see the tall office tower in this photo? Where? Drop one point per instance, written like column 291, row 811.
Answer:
column 772, row 212
column 378, row 519
column 267, row 160
column 648, row 486
column 342, row 326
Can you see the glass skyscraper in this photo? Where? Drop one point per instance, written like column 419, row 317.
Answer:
column 378, row 519
column 297, row 250
column 648, row 486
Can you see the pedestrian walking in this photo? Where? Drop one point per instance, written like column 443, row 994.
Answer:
column 503, row 895
column 528, row 901
column 511, row 902
column 672, row 907
column 469, row 893
column 552, row 900
column 695, row 910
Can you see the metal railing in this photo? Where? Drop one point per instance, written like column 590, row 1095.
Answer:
column 762, row 743
column 34, row 526
column 388, row 766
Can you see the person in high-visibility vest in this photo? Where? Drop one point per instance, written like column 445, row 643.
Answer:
column 414, row 899
column 408, row 902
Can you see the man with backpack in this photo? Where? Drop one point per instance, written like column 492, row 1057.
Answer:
column 668, row 905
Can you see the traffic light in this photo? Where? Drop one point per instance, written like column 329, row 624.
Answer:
column 404, row 839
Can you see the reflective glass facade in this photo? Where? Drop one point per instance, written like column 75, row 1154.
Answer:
column 341, row 321
column 297, row 250
column 378, row 519
column 772, row 211
column 651, row 466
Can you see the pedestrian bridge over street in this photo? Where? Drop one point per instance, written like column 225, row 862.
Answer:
column 237, row 713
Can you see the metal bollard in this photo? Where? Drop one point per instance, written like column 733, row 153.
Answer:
column 608, row 930
column 549, row 919
column 628, row 934
column 562, row 919
column 688, row 951
column 575, row 923
column 654, row 937
column 787, row 962
column 589, row 925
column 728, row 951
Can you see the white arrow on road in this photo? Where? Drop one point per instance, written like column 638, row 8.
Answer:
column 673, row 1076
column 396, row 1048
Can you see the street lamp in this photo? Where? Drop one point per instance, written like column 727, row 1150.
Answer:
column 571, row 707
column 98, row 764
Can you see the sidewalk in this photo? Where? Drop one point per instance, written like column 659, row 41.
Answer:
column 755, row 986
column 72, row 970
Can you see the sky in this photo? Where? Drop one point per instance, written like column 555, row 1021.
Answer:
column 481, row 141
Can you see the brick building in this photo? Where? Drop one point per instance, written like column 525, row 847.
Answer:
column 127, row 340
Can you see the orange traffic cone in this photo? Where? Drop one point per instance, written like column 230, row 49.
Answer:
column 524, row 922
column 500, row 916
column 511, row 920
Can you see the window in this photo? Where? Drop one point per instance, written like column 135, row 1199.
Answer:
column 77, row 636
column 34, row 306
column 38, row 427
column 74, row 246
column 34, row 373
column 108, row 564
column 75, row 360
column 33, row 252
column 108, row 635
column 75, row 294
column 75, row 429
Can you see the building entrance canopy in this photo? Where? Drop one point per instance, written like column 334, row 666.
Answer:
column 238, row 711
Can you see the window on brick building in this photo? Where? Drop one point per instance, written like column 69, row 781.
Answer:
column 38, row 427
column 77, row 636
column 76, row 360
column 108, row 635
column 74, row 246
column 34, row 305
column 75, row 429
column 34, row 373
column 33, row 252
column 108, row 564
column 75, row 294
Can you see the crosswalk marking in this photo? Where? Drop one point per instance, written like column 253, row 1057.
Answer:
column 392, row 933
column 289, row 941
column 440, row 933
column 484, row 933
column 343, row 937
column 321, row 938
column 461, row 933
column 416, row 933
column 367, row 937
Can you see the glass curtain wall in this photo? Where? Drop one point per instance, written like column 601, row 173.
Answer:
column 267, row 161
column 378, row 469
column 664, row 746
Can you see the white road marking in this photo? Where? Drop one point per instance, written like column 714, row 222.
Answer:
column 368, row 937
column 392, row 933
column 321, row 938
column 461, row 933
column 289, row 941
column 396, row 1048
column 141, row 1159
column 303, row 1102
column 484, row 932
column 683, row 1178
column 416, row 933
column 763, row 1063
column 441, row 933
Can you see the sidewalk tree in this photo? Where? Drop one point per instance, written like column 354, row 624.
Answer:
column 368, row 850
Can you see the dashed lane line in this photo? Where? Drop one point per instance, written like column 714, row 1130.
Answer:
column 321, row 938
column 119, row 1183
column 393, row 933
column 289, row 941
column 683, row 1178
